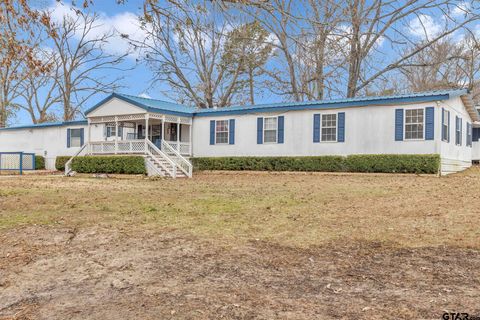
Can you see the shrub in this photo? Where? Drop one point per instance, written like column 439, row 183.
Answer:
column 60, row 162
column 393, row 163
column 39, row 163
column 109, row 164
column 353, row 163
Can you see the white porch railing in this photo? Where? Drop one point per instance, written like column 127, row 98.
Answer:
column 183, row 164
column 121, row 146
column 167, row 156
column 68, row 164
column 182, row 147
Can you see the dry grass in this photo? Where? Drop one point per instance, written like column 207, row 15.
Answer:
column 240, row 246
column 290, row 209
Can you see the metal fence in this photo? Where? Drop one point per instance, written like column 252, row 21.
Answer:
column 17, row 161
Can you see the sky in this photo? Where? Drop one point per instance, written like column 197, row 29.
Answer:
column 123, row 19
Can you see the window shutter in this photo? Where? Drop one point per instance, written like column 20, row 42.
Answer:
column 316, row 127
column 461, row 127
column 82, row 137
column 457, row 140
column 231, row 133
column 68, row 138
column 444, row 133
column 281, row 125
column 448, row 129
column 259, row 130
column 341, row 127
column 429, row 123
column 475, row 134
column 398, row 124
column 212, row 132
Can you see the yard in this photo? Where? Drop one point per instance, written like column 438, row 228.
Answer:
column 240, row 245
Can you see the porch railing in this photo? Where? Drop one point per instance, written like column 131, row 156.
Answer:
column 121, row 146
column 183, row 164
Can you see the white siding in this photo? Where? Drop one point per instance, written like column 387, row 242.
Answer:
column 454, row 158
column 368, row 130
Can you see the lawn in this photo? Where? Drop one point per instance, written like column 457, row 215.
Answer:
column 240, row 245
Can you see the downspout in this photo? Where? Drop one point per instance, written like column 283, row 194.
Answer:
column 438, row 140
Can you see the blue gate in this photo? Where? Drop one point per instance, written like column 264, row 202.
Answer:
column 17, row 161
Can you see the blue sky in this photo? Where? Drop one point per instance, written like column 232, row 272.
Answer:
column 123, row 17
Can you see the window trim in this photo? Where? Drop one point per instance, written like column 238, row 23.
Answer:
column 79, row 138
column 228, row 131
column 458, row 133
column 276, row 130
column 322, row 127
column 405, row 124
column 445, row 115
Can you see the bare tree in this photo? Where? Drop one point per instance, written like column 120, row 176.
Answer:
column 84, row 67
column 17, row 60
column 374, row 21
column 40, row 91
column 184, row 48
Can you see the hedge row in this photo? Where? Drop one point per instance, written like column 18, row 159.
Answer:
column 104, row 164
column 39, row 163
column 387, row 163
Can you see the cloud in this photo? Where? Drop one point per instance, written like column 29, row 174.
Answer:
column 424, row 26
column 462, row 9
column 125, row 23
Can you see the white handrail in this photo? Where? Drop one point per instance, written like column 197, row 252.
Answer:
column 182, row 163
column 69, row 162
column 151, row 147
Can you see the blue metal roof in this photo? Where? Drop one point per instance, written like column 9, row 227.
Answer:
column 159, row 106
column 337, row 103
column 48, row 125
column 150, row 105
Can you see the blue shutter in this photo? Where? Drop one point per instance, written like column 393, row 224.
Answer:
column 444, row 132
column 448, row 129
column 68, row 138
column 429, row 123
column 82, row 137
column 281, row 125
column 259, row 130
column 461, row 127
column 231, row 132
column 475, row 134
column 212, row 131
column 457, row 140
column 316, row 128
column 341, row 127
column 398, row 124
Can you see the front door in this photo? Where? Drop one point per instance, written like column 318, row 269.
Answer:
column 156, row 134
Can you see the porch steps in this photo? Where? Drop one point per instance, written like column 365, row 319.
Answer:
column 160, row 163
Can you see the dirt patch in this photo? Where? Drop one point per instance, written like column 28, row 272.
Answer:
column 98, row 273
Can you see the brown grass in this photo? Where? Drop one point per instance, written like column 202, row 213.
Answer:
column 258, row 245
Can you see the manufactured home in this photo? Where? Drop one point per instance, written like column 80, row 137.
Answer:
column 168, row 134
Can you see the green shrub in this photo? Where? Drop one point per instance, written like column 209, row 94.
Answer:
column 39, row 163
column 109, row 164
column 353, row 163
column 393, row 163
column 60, row 162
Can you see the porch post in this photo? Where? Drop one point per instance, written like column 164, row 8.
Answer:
column 116, row 134
column 178, row 135
column 162, row 138
column 190, row 139
column 146, row 130
column 89, row 136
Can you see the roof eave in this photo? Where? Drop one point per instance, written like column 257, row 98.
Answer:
column 470, row 107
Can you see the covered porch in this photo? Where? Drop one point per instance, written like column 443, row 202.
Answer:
column 128, row 133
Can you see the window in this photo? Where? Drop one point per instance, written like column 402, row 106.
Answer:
column 270, row 130
column 221, row 131
column 329, row 127
column 414, row 124
column 458, row 131
column 469, row 134
column 445, row 125
column 110, row 131
column 75, row 138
